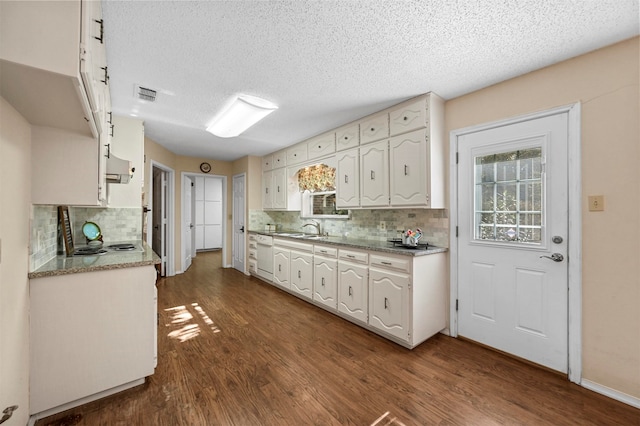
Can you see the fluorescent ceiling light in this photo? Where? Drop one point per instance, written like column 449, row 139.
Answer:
column 244, row 112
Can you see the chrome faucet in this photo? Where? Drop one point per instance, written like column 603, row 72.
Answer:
column 315, row 224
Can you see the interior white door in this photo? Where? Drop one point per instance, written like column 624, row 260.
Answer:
column 187, row 222
column 238, row 222
column 159, row 217
column 512, row 230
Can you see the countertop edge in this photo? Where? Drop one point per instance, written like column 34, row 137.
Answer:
column 150, row 259
column 361, row 244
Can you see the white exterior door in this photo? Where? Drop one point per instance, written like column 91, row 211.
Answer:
column 238, row 222
column 512, row 239
column 187, row 223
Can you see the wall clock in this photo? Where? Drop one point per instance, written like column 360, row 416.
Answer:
column 205, row 167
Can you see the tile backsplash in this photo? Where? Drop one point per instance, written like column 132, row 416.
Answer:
column 116, row 224
column 365, row 223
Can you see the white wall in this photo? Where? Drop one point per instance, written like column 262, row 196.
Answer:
column 15, row 201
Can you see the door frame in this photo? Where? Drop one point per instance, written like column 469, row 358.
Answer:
column 575, row 226
column 170, row 235
column 224, row 215
column 233, row 220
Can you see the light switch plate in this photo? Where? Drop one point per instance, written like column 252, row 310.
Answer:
column 596, row 203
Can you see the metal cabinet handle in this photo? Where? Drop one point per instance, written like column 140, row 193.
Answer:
column 350, row 256
column 278, row 188
column 279, row 268
column 386, row 263
column 556, row 257
column 350, row 291
column 386, row 303
column 101, row 38
column 106, row 75
column 323, row 251
column 346, row 179
column 299, row 276
column 323, row 281
column 373, row 175
column 406, row 170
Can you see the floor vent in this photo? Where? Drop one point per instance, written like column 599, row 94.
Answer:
column 146, row 94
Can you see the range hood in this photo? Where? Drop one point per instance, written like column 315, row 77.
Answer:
column 118, row 170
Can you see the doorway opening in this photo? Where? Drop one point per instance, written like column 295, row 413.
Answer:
column 160, row 224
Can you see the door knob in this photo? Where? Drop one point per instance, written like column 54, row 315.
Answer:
column 556, row 257
column 242, row 228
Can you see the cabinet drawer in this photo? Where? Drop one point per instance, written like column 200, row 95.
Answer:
column 295, row 245
column 253, row 266
column 321, row 145
column 279, row 159
column 267, row 163
column 253, row 254
column 397, row 263
column 348, row 137
column 408, row 118
column 374, row 129
column 353, row 256
column 253, row 244
column 325, row 251
column 297, row 154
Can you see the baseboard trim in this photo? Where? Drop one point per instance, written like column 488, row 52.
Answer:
column 611, row 393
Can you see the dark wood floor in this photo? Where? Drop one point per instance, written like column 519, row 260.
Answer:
column 236, row 351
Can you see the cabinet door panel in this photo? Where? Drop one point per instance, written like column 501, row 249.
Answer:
column 280, row 188
column 348, row 137
column 297, row 154
column 348, row 179
column 408, row 169
column 374, row 175
column 267, row 190
column 302, row 273
column 322, row 145
column 324, row 281
column 408, row 118
column 389, row 302
column 353, row 290
column 375, row 128
column 281, row 267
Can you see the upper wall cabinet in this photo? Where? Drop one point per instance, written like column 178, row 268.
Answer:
column 374, row 128
column 279, row 159
column 321, row 145
column 267, row 162
column 52, row 68
column 347, row 137
column 297, row 154
column 409, row 117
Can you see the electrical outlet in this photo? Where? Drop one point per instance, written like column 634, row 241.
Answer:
column 382, row 226
column 596, row 203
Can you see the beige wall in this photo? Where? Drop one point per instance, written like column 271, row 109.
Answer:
column 15, row 208
column 606, row 82
column 179, row 164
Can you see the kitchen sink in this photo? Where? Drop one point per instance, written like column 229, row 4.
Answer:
column 290, row 234
column 313, row 237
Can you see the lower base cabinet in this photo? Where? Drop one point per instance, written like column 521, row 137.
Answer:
column 353, row 290
column 402, row 298
column 91, row 333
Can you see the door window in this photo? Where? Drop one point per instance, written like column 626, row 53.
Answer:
column 509, row 196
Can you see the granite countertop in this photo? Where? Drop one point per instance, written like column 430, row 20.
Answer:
column 374, row 245
column 61, row 265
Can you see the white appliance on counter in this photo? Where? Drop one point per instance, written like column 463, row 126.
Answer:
column 265, row 256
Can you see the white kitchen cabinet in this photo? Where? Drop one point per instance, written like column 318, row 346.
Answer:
column 302, row 273
column 296, row 154
column 267, row 162
column 253, row 255
column 348, row 179
column 321, row 145
column 353, row 284
column 280, row 190
column 325, row 276
column 408, row 169
column 65, row 168
column 92, row 334
column 407, row 296
column 127, row 143
column 409, row 116
column 47, row 60
column 347, row 137
column 374, row 128
column 279, row 159
column 374, row 174
column 389, row 302
column 281, row 266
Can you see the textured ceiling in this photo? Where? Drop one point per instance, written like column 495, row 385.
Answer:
column 326, row 63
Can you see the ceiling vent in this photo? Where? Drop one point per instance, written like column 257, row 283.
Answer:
column 145, row 94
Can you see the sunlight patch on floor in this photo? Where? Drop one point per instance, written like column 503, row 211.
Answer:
column 387, row 419
column 185, row 324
